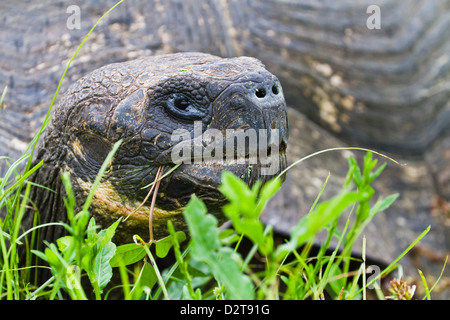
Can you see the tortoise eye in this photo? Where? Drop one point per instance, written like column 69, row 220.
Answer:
column 183, row 107
column 181, row 103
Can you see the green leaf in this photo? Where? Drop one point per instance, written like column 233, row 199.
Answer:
column 81, row 221
column 329, row 211
column 375, row 175
column 148, row 277
column 228, row 236
column 387, row 202
column 64, row 243
column 355, row 171
column 109, row 232
column 163, row 245
column 128, row 254
column 238, row 192
column 40, row 254
column 102, row 268
column 52, row 256
column 245, row 207
column 253, row 229
column 269, row 189
column 206, row 248
column 228, row 272
column 233, row 187
column 202, row 227
column 369, row 164
column 92, row 236
column 312, row 223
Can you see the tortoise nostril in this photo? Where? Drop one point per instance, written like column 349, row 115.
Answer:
column 275, row 90
column 260, row 93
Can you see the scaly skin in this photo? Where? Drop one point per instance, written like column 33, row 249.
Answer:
column 143, row 102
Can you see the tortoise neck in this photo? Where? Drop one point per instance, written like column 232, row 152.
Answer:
column 48, row 201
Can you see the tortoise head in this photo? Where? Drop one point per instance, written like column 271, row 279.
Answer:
column 206, row 114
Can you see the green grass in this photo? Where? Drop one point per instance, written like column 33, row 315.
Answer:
column 211, row 265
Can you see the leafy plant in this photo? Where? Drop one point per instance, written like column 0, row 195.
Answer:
column 84, row 248
column 206, row 247
column 90, row 253
column 304, row 276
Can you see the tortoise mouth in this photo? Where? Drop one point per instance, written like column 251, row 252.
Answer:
column 204, row 178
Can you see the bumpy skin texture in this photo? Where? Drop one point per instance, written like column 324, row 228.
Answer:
column 143, row 102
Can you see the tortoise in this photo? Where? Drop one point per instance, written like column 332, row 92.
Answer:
column 344, row 84
column 145, row 103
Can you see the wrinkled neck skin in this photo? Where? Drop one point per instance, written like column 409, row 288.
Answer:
column 49, row 204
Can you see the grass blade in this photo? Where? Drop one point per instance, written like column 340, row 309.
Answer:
column 3, row 96
column 391, row 266
column 21, row 180
column 334, row 149
column 424, row 281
